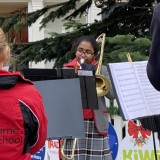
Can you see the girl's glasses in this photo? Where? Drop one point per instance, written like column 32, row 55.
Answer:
column 86, row 52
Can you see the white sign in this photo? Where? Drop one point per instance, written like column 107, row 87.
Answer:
column 138, row 144
column 52, row 150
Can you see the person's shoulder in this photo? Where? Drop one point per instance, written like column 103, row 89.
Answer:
column 104, row 67
column 157, row 9
column 156, row 14
column 157, row 6
column 105, row 70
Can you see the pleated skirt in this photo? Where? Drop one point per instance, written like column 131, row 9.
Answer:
column 93, row 147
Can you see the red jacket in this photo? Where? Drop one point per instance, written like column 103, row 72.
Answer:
column 23, row 123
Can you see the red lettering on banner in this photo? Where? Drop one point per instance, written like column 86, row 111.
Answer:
column 53, row 144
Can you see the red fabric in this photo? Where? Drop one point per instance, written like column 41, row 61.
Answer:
column 11, row 119
column 88, row 113
column 3, row 73
column 74, row 63
column 60, row 153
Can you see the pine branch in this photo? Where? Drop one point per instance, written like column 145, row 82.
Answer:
column 60, row 12
column 33, row 16
column 73, row 24
column 2, row 19
column 80, row 10
column 13, row 20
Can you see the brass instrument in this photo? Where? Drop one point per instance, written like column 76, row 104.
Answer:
column 102, row 84
column 73, row 148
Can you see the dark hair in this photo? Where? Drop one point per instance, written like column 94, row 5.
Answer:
column 90, row 39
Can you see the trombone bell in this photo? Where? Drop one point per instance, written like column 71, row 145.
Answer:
column 102, row 85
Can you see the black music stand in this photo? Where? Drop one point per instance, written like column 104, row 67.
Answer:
column 152, row 123
column 87, row 82
column 147, row 122
column 39, row 74
column 63, row 105
column 70, row 92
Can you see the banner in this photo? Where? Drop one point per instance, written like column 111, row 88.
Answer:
column 39, row 155
column 138, row 144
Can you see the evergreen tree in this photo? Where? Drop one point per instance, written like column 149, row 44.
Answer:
column 130, row 20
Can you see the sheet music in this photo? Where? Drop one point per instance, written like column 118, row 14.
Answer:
column 152, row 96
column 136, row 95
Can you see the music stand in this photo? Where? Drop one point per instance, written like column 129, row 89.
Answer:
column 62, row 100
column 39, row 74
column 152, row 123
column 63, row 106
column 126, row 72
column 87, row 84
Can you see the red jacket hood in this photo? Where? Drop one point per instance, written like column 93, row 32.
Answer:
column 8, row 79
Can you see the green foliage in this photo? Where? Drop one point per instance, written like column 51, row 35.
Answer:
column 118, row 18
column 113, row 110
column 125, row 24
column 80, row 10
column 16, row 21
column 117, row 48
column 12, row 20
column 61, row 49
column 73, row 24
column 60, row 12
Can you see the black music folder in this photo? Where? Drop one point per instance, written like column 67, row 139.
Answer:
column 39, row 74
column 87, row 82
column 63, row 106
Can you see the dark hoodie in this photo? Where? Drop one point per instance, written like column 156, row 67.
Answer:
column 153, row 66
column 153, row 69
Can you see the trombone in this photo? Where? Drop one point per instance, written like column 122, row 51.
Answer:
column 73, row 149
column 102, row 84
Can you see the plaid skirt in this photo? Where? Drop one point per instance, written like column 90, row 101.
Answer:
column 93, row 147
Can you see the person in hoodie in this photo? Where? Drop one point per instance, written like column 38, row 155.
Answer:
column 23, row 122
column 153, row 65
column 153, row 69
column 95, row 145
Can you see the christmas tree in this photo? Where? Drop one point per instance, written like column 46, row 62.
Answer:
column 125, row 24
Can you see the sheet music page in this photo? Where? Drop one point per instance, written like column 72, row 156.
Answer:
column 152, row 96
column 130, row 96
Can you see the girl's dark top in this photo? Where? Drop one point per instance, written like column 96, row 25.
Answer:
column 153, row 66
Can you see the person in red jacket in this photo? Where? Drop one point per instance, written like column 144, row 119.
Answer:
column 23, row 122
column 95, row 145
